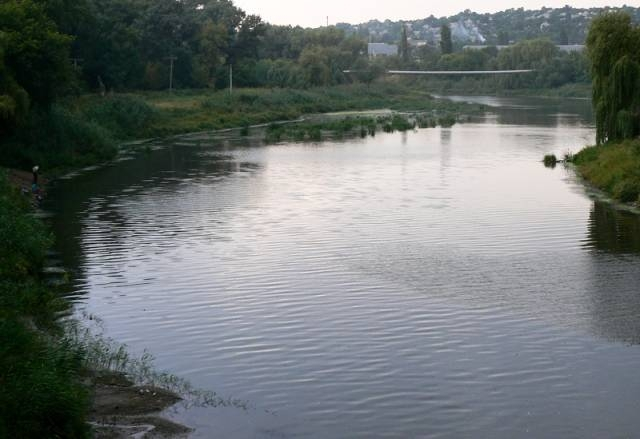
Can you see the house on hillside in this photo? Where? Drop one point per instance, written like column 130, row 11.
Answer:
column 382, row 49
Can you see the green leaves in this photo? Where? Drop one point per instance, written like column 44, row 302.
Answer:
column 36, row 55
column 446, row 45
column 613, row 46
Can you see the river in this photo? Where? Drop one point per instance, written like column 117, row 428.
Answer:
column 434, row 283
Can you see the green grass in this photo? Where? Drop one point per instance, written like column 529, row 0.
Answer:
column 489, row 86
column 189, row 112
column 613, row 167
column 40, row 392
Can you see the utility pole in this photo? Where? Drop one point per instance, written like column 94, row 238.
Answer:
column 76, row 61
column 230, row 79
column 171, row 59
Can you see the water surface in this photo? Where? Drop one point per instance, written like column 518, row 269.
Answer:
column 436, row 283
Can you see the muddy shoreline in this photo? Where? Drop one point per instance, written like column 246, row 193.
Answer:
column 121, row 409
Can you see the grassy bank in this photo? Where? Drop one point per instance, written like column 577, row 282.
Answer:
column 58, row 378
column 85, row 130
column 40, row 391
column 489, row 86
column 188, row 112
column 613, row 167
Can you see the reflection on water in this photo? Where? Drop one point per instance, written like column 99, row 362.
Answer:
column 533, row 111
column 613, row 230
column 437, row 283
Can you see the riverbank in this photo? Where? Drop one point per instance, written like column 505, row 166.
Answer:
column 484, row 87
column 40, row 367
column 613, row 168
column 86, row 130
column 48, row 384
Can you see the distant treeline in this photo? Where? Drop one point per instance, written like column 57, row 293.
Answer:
column 52, row 51
column 553, row 67
column 129, row 45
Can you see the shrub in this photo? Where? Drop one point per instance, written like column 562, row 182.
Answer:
column 550, row 160
column 123, row 116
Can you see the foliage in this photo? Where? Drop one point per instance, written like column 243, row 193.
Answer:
column 446, row 45
column 362, row 126
column 404, row 45
column 36, row 55
column 550, row 160
column 57, row 137
column 122, row 116
column 194, row 111
column 40, row 394
column 552, row 68
column 614, row 51
column 614, row 167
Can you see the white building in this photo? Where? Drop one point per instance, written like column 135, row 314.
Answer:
column 382, row 49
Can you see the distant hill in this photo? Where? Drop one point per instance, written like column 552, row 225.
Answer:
column 565, row 25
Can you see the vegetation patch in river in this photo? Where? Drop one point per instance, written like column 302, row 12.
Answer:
column 353, row 126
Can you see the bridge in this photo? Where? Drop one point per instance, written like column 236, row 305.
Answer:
column 456, row 72
column 448, row 72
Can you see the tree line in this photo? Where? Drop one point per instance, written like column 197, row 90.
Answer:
column 613, row 45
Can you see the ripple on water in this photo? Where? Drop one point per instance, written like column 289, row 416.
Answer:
column 438, row 284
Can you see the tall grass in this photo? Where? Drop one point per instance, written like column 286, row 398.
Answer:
column 125, row 117
column 77, row 132
column 186, row 112
column 58, row 136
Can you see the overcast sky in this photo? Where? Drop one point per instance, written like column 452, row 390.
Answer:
column 313, row 13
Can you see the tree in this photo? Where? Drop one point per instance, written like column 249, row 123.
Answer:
column 314, row 62
column 213, row 41
column 404, row 45
column 14, row 100
column 503, row 38
column 35, row 53
column 248, row 37
column 613, row 46
column 563, row 37
column 368, row 71
column 446, row 45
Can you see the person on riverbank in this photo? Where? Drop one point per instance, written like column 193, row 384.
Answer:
column 35, row 189
column 34, row 183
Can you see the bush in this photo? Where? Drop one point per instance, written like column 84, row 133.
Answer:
column 613, row 167
column 550, row 160
column 57, row 136
column 627, row 191
column 123, row 116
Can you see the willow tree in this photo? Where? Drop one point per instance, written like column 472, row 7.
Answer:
column 613, row 46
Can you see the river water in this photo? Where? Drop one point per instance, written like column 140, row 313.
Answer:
column 435, row 283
